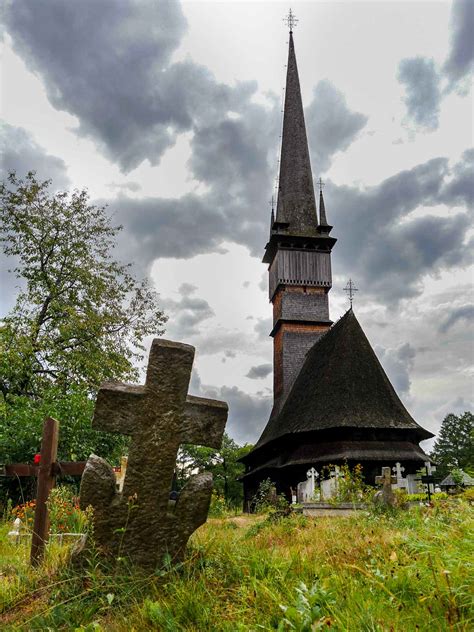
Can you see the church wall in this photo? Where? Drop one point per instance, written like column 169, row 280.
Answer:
column 291, row 343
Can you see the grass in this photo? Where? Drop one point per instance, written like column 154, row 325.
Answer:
column 410, row 570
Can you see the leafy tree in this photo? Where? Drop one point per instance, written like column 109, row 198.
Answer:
column 79, row 319
column 454, row 446
column 81, row 316
column 222, row 463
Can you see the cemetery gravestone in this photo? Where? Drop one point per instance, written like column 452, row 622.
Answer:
column 386, row 495
column 140, row 523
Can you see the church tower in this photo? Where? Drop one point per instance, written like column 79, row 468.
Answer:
column 333, row 402
column 298, row 253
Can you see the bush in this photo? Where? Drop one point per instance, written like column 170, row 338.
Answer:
column 64, row 513
column 267, row 499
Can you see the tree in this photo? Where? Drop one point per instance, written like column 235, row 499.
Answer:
column 79, row 319
column 81, row 316
column 454, row 446
column 223, row 464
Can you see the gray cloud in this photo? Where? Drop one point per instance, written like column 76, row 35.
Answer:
column 465, row 312
column 125, row 186
column 386, row 249
column 108, row 64
column 248, row 414
column 398, row 363
column 423, row 94
column 263, row 328
column 331, row 125
column 422, row 80
column 461, row 54
column 187, row 313
column 21, row 153
column 260, row 371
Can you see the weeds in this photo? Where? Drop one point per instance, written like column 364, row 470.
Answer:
column 407, row 570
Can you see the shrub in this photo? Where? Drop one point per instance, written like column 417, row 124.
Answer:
column 64, row 513
column 267, row 499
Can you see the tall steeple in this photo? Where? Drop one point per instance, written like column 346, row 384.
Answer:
column 296, row 203
column 298, row 253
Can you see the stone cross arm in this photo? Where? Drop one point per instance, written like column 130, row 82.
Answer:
column 386, row 478
column 117, row 406
column 204, row 421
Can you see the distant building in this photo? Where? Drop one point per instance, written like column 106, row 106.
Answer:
column 333, row 402
column 450, row 483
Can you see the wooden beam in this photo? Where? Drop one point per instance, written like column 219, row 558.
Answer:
column 61, row 468
column 46, row 480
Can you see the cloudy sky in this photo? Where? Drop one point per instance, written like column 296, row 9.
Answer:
column 171, row 113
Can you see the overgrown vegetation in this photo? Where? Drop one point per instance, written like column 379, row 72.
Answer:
column 404, row 570
column 80, row 318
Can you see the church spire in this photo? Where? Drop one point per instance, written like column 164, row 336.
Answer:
column 324, row 227
column 296, row 207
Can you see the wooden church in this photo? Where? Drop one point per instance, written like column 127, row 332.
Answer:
column 333, row 402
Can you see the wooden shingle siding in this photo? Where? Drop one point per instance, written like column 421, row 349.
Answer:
column 300, row 267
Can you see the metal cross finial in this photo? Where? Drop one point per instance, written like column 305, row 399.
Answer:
column 321, row 184
column 291, row 20
column 351, row 290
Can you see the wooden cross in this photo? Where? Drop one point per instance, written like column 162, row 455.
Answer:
column 159, row 416
column 47, row 471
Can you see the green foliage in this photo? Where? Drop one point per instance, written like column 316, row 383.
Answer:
column 407, row 571
column 454, row 446
column 266, row 499
column 81, row 316
column 309, row 610
column 64, row 513
column 79, row 319
column 223, row 464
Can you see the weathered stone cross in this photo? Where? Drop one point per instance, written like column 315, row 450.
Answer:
column 138, row 523
column 387, row 480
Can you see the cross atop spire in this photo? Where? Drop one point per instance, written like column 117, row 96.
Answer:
column 351, row 290
column 291, row 20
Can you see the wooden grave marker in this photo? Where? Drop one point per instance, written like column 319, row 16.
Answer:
column 47, row 470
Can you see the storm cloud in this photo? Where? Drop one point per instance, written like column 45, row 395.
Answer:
column 463, row 313
column 331, row 125
column 388, row 247
column 21, row 153
column 186, row 314
column 422, row 80
column 108, row 64
column 461, row 55
column 260, row 371
column 423, row 93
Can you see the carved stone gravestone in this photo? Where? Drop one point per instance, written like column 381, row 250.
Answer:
column 386, row 495
column 140, row 523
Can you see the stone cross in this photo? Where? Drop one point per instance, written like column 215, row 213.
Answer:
column 312, row 475
column 387, row 496
column 139, row 523
column 398, row 471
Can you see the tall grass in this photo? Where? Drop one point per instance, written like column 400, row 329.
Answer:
column 404, row 571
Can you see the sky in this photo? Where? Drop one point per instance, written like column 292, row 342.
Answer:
column 170, row 113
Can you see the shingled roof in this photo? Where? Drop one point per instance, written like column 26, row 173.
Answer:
column 296, row 205
column 341, row 384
